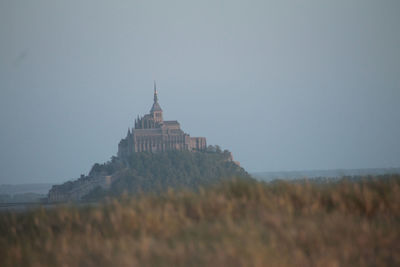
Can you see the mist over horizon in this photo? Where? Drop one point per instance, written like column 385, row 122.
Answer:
column 282, row 85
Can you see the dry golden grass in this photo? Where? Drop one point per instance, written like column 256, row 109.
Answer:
column 234, row 224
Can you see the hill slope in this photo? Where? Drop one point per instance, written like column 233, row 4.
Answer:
column 150, row 172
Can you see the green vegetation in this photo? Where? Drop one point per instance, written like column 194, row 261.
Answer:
column 239, row 223
column 156, row 172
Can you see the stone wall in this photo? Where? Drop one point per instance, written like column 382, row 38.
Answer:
column 75, row 190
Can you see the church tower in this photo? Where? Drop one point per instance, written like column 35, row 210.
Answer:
column 152, row 134
column 156, row 111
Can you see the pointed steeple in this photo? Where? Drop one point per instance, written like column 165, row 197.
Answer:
column 156, row 107
column 155, row 93
column 156, row 110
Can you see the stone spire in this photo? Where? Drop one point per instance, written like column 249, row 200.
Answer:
column 156, row 111
column 155, row 93
column 156, row 107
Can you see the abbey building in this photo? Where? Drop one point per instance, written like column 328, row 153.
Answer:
column 152, row 133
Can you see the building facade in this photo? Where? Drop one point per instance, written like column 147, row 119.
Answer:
column 151, row 133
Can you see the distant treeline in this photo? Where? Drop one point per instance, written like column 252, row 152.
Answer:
column 324, row 174
column 21, row 198
column 14, row 189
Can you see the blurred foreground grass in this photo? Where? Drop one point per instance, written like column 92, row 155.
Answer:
column 234, row 224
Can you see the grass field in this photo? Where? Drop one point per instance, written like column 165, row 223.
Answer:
column 233, row 224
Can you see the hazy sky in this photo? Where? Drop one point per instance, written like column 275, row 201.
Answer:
column 284, row 85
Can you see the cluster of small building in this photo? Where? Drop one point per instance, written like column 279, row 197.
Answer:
column 76, row 190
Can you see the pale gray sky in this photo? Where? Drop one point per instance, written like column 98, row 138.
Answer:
column 284, row 85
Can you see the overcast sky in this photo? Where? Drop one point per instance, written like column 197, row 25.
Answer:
column 284, row 85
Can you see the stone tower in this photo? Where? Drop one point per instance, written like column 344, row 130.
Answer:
column 156, row 111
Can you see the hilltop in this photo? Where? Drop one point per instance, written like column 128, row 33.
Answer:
column 155, row 155
column 151, row 172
